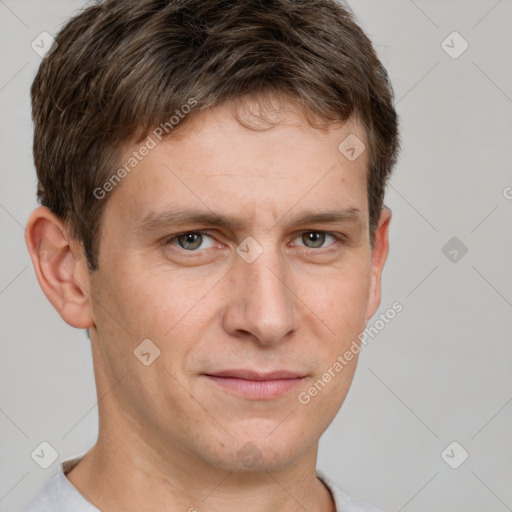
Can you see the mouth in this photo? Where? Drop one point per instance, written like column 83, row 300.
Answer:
column 256, row 385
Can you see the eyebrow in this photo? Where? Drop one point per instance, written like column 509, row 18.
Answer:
column 156, row 221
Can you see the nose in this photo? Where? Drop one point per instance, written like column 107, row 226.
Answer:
column 262, row 301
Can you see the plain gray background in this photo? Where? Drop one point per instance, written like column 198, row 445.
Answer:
column 440, row 372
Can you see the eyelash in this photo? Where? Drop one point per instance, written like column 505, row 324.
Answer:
column 339, row 237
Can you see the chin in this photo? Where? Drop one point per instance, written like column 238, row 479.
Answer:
column 254, row 460
column 244, row 453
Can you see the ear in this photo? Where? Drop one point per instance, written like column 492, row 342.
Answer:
column 60, row 266
column 379, row 256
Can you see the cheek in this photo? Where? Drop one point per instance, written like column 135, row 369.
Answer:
column 130, row 309
column 154, row 302
column 325, row 394
column 171, row 310
column 343, row 299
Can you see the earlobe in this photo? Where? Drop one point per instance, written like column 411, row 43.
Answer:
column 60, row 267
column 379, row 257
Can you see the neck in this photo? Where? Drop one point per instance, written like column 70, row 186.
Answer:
column 124, row 473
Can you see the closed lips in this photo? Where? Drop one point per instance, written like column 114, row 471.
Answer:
column 257, row 376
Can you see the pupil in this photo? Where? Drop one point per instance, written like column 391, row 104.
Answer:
column 191, row 241
column 316, row 239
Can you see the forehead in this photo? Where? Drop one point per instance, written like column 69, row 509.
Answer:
column 218, row 164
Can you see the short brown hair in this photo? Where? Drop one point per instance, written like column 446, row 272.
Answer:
column 122, row 67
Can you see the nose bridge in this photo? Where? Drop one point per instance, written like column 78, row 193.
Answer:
column 263, row 303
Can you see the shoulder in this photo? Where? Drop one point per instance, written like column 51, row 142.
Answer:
column 46, row 500
column 344, row 502
column 59, row 495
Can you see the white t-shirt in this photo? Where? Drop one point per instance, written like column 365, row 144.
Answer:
column 59, row 495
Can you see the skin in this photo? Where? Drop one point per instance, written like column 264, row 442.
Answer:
column 169, row 437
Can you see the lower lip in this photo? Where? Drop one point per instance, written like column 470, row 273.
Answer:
column 256, row 389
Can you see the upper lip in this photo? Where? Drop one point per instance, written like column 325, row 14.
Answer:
column 255, row 375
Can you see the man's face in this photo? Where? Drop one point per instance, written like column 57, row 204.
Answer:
column 291, row 298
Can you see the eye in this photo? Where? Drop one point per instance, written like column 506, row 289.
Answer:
column 193, row 241
column 316, row 239
column 190, row 241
